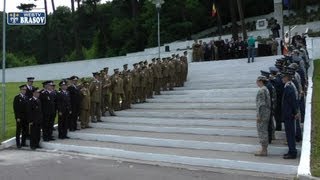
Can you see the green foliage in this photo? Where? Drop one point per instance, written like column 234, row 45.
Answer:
column 117, row 27
column 315, row 156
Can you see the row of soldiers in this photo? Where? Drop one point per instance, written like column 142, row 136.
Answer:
column 88, row 99
column 282, row 98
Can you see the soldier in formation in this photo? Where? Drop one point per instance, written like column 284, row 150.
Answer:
column 286, row 84
column 87, row 99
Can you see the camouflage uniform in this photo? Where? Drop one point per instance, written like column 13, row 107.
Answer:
column 263, row 113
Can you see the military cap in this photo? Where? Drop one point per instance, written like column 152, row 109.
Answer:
column 294, row 66
column 74, row 78
column 30, row 79
column 262, row 78
column 106, row 68
column 145, row 62
column 287, row 73
column 63, row 82
column 265, row 73
column 141, row 62
column 150, row 65
column 153, row 59
column 22, row 86
column 273, row 69
column 158, row 59
column 95, row 73
column 116, row 70
column 48, row 83
column 125, row 65
column 185, row 52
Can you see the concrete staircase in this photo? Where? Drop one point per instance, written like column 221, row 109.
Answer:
column 209, row 123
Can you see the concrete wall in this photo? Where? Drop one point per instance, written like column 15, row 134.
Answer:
column 313, row 45
column 80, row 68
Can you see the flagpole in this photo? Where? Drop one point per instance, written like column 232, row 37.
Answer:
column 4, row 70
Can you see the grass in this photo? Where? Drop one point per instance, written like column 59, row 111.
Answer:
column 12, row 89
column 315, row 154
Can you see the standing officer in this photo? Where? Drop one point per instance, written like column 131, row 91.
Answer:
column 150, row 81
column 276, row 81
column 64, row 110
column 35, row 118
column 289, row 113
column 117, row 91
column 135, row 83
column 95, row 92
column 47, row 99
column 85, row 105
column 75, row 100
column 263, row 103
column 127, row 87
column 165, row 74
column 143, row 84
column 20, row 105
column 107, row 90
column 30, row 87
column 155, row 69
column 273, row 98
column 171, row 74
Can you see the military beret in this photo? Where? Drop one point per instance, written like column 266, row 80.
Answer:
column 63, row 82
column 273, row 69
column 262, row 78
column 30, row 78
column 22, row 86
column 265, row 73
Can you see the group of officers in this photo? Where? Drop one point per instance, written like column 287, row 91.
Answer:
column 281, row 97
column 86, row 100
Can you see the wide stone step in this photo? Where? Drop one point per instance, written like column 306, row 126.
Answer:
column 239, row 92
column 159, row 99
column 188, row 137
column 221, row 86
column 193, row 114
column 176, row 143
column 221, row 131
column 205, row 158
column 222, row 106
column 183, row 122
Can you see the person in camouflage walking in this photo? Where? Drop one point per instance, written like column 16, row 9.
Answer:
column 263, row 103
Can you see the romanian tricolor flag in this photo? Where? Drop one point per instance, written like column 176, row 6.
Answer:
column 214, row 10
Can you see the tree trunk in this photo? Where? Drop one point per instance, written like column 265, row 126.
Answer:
column 45, row 7
column 72, row 6
column 53, row 6
column 232, row 7
column 243, row 25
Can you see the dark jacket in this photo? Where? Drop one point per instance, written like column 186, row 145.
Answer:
column 35, row 111
column 63, row 102
column 20, row 105
column 289, row 103
column 48, row 102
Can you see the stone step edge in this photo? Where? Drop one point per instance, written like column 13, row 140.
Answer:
column 185, row 130
column 175, row 159
column 177, row 143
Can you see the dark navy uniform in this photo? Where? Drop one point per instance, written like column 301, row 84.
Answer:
column 20, row 105
column 35, row 120
column 49, row 111
column 277, row 83
column 75, row 100
column 289, row 111
column 64, row 111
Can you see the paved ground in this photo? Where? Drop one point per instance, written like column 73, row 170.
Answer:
column 31, row 165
